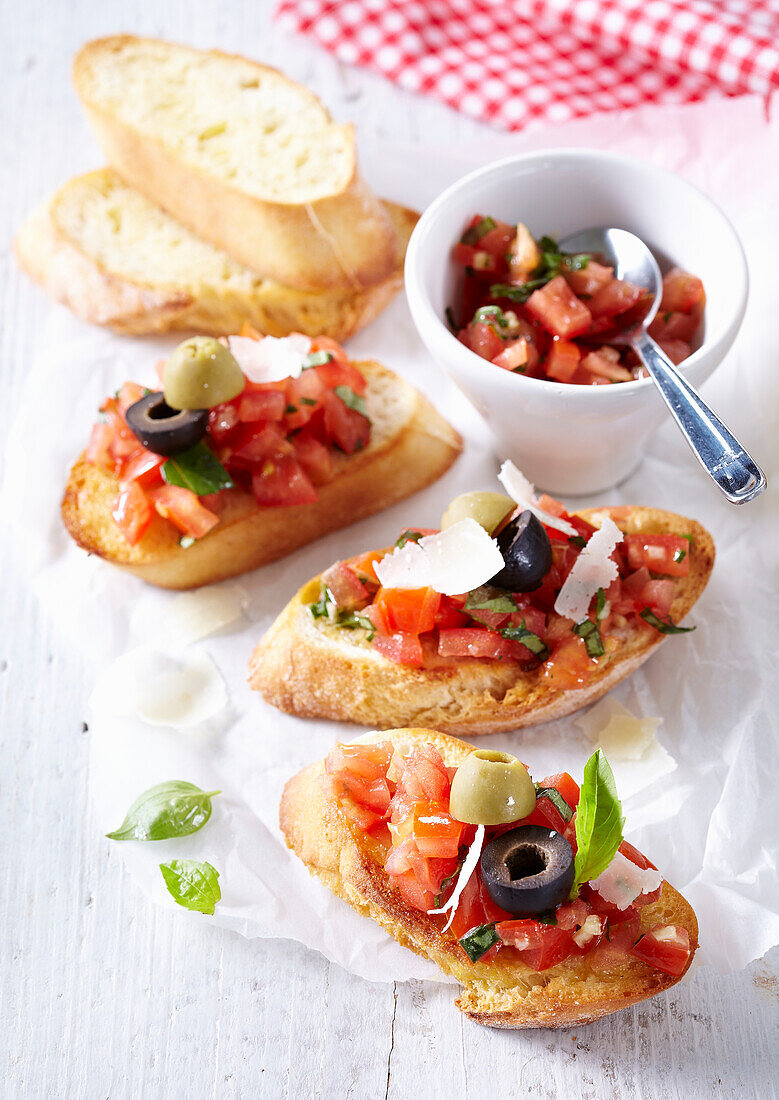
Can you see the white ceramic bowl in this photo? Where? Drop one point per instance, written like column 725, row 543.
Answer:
column 565, row 438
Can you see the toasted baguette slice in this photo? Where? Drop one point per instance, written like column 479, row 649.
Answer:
column 411, row 446
column 308, row 668
column 244, row 157
column 114, row 258
column 497, row 993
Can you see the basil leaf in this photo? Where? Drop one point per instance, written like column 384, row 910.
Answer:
column 409, row 536
column 324, row 608
column 589, row 632
column 197, row 469
column 600, row 603
column 193, row 885
column 679, row 555
column 529, row 640
column 476, row 232
column 307, row 401
column 450, row 319
column 557, row 800
column 516, row 293
column 577, row 540
column 168, row 810
column 490, row 315
column 352, row 621
column 316, row 359
column 352, row 400
column 487, row 598
column 664, row 627
column 478, row 941
column 547, row 918
column 599, row 821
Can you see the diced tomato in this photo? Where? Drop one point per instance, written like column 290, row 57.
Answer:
column 474, row 257
column 674, row 326
column 132, row 512
column 424, row 776
column 183, row 508
column 340, row 372
column 222, row 421
column 436, row 832
column 478, row 643
column 475, row 908
column 328, row 344
column 541, row 946
column 681, row 291
column 558, row 309
column 606, row 364
column 367, row 761
column 254, row 444
column 590, row 279
column 482, row 339
column 365, row 564
column 498, row 241
column 98, row 451
column 641, row 861
column 262, row 403
column 145, row 467
column 409, row 610
column 449, row 616
column 348, row 429
column 346, row 588
column 621, row 935
column 566, row 785
column 405, row 649
column 127, row 396
column 363, row 816
column 413, row 894
column 282, row 481
column 570, row 666
column 304, row 397
column 373, row 794
column 614, row 298
column 514, row 357
column 676, row 350
column 533, row 618
column 562, row 360
column 313, row 456
column 669, row 554
column 666, row 947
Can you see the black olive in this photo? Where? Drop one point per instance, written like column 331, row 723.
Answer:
column 527, row 554
column 164, row 430
column 528, row 870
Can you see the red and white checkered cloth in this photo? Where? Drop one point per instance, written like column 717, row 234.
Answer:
column 513, row 62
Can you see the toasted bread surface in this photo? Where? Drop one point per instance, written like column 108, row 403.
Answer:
column 411, row 446
column 500, row 993
column 243, row 156
column 304, row 667
column 115, row 258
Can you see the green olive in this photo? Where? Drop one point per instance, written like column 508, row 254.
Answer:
column 491, row 788
column 488, row 509
column 200, row 374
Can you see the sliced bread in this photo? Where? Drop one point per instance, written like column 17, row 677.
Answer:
column 115, row 258
column 243, row 156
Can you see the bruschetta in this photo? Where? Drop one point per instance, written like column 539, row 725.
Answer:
column 535, row 904
column 469, row 633
column 269, row 444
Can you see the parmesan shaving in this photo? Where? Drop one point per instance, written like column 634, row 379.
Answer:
column 467, row 869
column 188, row 616
column 271, row 359
column 594, row 568
column 523, row 492
column 622, row 881
column 454, row 561
column 161, row 689
column 620, row 734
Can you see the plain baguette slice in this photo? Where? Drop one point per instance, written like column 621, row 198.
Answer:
column 498, row 993
column 241, row 155
column 115, row 258
column 411, row 446
column 316, row 671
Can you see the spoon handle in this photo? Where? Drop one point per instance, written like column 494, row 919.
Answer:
column 718, row 451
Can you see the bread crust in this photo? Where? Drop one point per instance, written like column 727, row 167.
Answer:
column 414, row 449
column 100, row 296
column 496, row 994
column 344, row 239
column 305, row 670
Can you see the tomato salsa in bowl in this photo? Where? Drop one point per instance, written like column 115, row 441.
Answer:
column 527, row 307
column 582, row 437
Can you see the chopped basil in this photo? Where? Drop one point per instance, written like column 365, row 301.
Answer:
column 599, row 821
column 487, row 598
column 516, row 293
column 664, row 627
column 600, row 604
column 291, row 409
column 307, row 401
column 193, row 885
column 679, row 555
column 528, row 639
column 409, row 536
column 197, row 469
column 688, row 537
column 578, row 541
column 476, row 232
column 168, row 810
column 352, row 400
column 667, row 317
column 186, row 541
column 490, row 315
column 478, row 941
column 547, row 918
column 316, row 359
column 557, row 801
column 588, row 631
column 324, row 608
column 450, row 319
column 553, row 263
column 352, row 621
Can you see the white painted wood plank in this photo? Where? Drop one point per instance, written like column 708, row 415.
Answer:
column 102, row 995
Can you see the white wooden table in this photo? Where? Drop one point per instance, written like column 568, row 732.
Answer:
column 103, row 995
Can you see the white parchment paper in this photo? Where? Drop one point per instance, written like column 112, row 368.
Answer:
column 709, row 823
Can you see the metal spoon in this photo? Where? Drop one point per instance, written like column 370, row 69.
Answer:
column 718, row 451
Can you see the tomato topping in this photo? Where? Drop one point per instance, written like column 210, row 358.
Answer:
column 558, row 309
column 669, row 554
column 348, row 428
column 405, row 649
column 346, row 588
column 514, row 356
column 475, row 642
column 562, row 361
column 183, row 508
column 540, row 946
column 145, row 467
column 483, row 339
column 409, row 610
column 615, row 297
column 132, row 512
column 666, row 947
column 681, row 291
column 261, row 403
column 314, row 457
column 282, row 481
